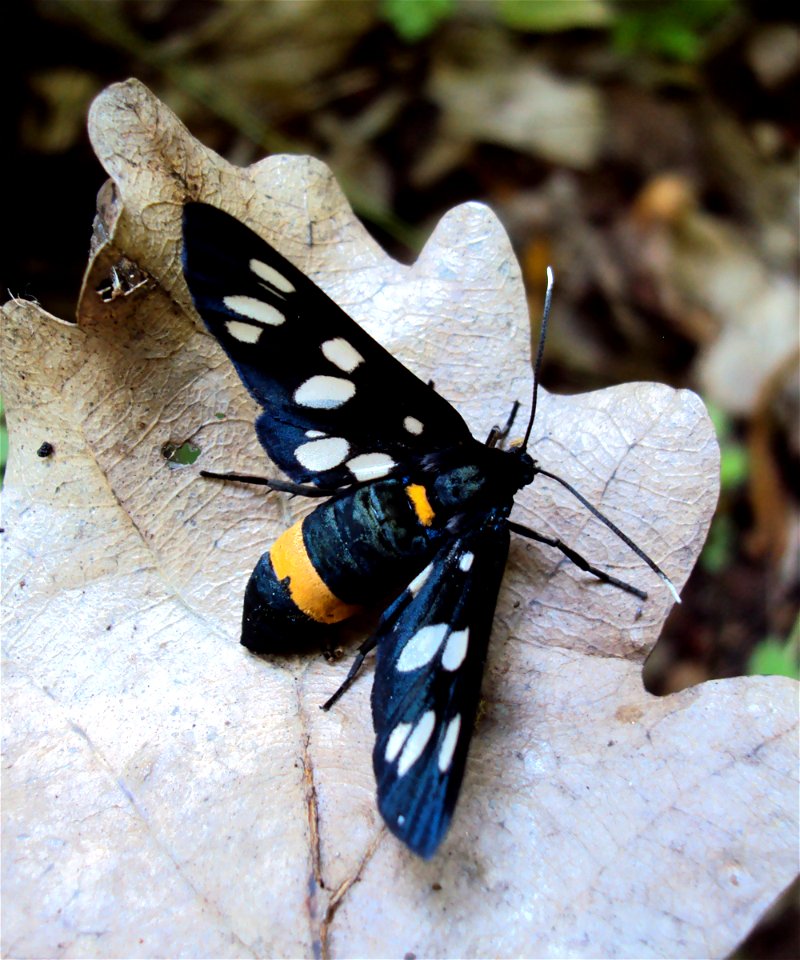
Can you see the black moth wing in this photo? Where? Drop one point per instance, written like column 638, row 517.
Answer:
column 432, row 646
column 338, row 408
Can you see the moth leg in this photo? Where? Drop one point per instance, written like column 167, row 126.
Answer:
column 496, row 434
column 576, row 558
column 363, row 650
column 284, row 486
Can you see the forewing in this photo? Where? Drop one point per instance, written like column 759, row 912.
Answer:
column 431, row 650
column 338, row 408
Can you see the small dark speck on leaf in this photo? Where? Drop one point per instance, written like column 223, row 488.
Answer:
column 46, row 450
column 436, row 886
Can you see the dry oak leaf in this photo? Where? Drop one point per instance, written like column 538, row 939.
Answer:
column 167, row 794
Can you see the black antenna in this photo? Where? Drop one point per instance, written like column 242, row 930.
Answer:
column 537, row 365
column 615, row 530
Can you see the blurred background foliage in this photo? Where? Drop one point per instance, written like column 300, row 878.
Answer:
column 647, row 149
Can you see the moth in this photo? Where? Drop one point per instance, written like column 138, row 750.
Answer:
column 415, row 510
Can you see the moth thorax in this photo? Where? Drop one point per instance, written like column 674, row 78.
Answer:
column 456, row 487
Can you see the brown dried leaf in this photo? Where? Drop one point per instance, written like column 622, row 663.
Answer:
column 520, row 105
column 165, row 793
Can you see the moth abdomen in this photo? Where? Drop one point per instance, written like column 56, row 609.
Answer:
column 345, row 555
column 272, row 620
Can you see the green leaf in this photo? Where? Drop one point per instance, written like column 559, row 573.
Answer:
column 415, row 19
column 720, row 419
column 181, row 456
column 3, row 448
column 3, row 441
column 734, row 465
column 718, row 550
column 550, row 16
column 674, row 29
column 772, row 657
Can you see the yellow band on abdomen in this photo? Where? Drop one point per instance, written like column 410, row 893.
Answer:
column 421, row 504
column 306, row 588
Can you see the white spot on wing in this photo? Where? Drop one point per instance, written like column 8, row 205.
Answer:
column 313, row 434
column 322, row 454
column 396, row 740
column 255, row 309
column 370, row 466
column 449, row 742
column 324, row 393
column 413, row 425
column 422, row 647
column 269, row 274
column 419, row 581
column 342, row 354
column 416, row 742
column 455, row 649
column 466, row 561
column 245, row 332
